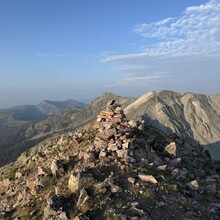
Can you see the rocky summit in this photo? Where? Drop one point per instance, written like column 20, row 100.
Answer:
column 111, row 169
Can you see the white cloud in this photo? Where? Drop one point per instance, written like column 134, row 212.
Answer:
column 192, row 40
column 197, row 31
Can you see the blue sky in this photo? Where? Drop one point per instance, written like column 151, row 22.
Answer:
column 60, row 49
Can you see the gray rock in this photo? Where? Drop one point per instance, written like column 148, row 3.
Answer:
column 193, row 185
column 83, row 198
column 78, row 181
column 174, row 162
column 56, row 168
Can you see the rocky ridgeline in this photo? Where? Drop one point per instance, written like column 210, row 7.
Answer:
column 118, row 169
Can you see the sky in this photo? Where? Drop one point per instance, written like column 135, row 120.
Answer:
column 79, row 49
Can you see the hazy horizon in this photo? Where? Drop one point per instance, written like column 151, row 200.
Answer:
column 58, row 50
column 87, row 101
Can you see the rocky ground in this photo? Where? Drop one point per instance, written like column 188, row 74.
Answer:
column 115, row 169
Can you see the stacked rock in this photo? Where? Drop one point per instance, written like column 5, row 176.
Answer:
column 114, row 131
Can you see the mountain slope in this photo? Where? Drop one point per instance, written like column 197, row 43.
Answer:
column 51, row 107
column 30, row 134
column 194, row 117
column 111, row 170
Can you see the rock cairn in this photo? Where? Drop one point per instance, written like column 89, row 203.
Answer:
column 114, row 134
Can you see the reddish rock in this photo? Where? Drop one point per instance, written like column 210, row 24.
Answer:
column 41, row 171
column 88, row 157
column 31, row 183
column 4, row 185
column 106, row 113
column 118, row 116
column 116, row 120
column 107, row 125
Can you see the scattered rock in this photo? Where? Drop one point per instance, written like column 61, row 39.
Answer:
column 4, row 185
column 88, row 157
column 147, row 178
column 193, row 185
column 171, row 149
column 82, row 201
column 18, row 175
column 73, row 183
column 56, row 168
column 174, row 163
column 41, row 171
column 78, row 181
column 122, row 153
column 116, row 189
column 131, row 180
column 112, row 147
column 103, row 153
column 162, row 167
column 48, row 212
column 31, row 183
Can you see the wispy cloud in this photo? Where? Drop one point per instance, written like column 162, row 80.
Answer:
column 141, row 78
column 191, row 40
column 196, row 32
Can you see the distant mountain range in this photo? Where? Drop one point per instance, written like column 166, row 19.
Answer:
column 193, row 117
column 24, row 113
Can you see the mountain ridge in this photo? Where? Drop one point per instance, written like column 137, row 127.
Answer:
column 34, row 132
column 112, row 169
column 22, row 114
column 194, row 117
